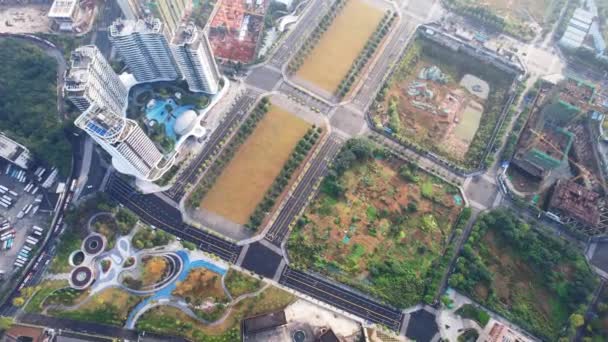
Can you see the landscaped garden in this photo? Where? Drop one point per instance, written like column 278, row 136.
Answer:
column 442, row 101
column 534, row 280
column 172, row 321
column 158, row 109
column 349, row 33
column 379, row 224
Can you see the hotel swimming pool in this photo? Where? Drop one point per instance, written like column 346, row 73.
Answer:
column 156, row 111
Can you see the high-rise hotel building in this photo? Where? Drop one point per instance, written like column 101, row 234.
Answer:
column 194, row 57
column 144, row 49
column 91, row 80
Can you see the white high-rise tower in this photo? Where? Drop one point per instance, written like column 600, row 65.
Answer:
column 195, row 59
column 132, row 151
column 144, row 49
column 91, row 80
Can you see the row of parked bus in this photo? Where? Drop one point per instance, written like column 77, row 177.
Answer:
column 30, row 243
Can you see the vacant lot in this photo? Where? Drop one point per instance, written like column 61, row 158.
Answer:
column 383, row 234
column 243, row 183
column 520, row 10
column 532, row 279
column 443, row 101
column 343, row 41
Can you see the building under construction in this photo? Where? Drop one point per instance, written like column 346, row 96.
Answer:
column 583, row 209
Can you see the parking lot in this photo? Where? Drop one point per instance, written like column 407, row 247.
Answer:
column 21, row 224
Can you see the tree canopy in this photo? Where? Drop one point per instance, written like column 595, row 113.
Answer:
column 28, row 105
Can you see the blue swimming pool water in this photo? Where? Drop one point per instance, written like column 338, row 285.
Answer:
column 166, row 291
column 162, row 116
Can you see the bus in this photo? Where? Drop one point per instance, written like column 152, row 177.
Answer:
column 13, row 193
column 3, row 188
column 37, row 234
column 36, row 228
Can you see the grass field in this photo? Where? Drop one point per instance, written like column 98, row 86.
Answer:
column 384, row 235
column 256, row 164
column 467, row 127
column 342, row 42
column 519, row 10
column 111, row 306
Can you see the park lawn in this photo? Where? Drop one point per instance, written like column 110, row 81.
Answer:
column 342, row 42
column 41, row 292
column 171, row 321
column 534, row 280
column 239, row 283
column 111, row 306
column 256, row 164
column 384, row 235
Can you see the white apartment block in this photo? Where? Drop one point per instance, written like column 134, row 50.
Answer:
column 144, row 49
column 195, row 59
column 63, row 13
column 91, row 80
column 132, row 151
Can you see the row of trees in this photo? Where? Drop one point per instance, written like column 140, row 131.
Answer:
column 366, row 54
column 228, row 152
column 546, row 257
column 513, row 137
column 148, row 238
column 291, row 165
column 298, row 59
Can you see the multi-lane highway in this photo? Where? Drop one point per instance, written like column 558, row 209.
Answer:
column 154, row 211
column 309, row 21
column 342, row 298
column 297, row 200
column 189, row 176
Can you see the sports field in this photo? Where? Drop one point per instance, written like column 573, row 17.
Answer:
column 256, row 164
column 337, row 49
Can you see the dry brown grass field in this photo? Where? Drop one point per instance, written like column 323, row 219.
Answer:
column 337, row 49
column 256, row 164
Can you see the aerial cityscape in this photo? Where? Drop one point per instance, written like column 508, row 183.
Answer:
column 304, row 170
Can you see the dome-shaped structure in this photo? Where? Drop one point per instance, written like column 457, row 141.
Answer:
column 185, row 122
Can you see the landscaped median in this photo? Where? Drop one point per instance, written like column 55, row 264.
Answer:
column 250, row 175
column 342, row 45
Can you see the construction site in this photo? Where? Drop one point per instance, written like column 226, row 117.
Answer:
column 236, row 29
column 436, row 109
column 557, row 164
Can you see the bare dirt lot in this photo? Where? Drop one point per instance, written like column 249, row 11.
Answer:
column 24, row 19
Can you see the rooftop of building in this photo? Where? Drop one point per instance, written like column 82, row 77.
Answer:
column 101, row 122
column 62, row 8
column 78, row 75
column 13, row 151
column 123, row 27
column 576, row 201
column 264, row 322
column 187, row 33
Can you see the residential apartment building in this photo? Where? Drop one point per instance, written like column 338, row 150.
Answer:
column 194, row 57
column 170, row 12
column 91, row 80
column 132, row 151
column 144, row 49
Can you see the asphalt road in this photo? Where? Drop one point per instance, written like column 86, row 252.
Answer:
column 297, row 200
column 190, row 175
column 154, row 211
column 307, row 23
column 342, row 298
column 92, row 328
